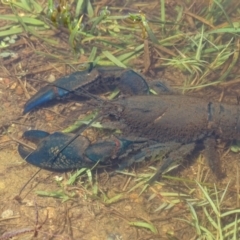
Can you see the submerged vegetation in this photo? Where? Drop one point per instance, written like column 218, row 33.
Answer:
column 198, row 39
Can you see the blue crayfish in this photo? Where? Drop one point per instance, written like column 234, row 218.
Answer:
column 172, row 123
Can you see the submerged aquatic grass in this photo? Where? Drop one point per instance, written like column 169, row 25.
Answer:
column 200, row 40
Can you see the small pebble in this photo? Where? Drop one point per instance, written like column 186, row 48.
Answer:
column 13, row 86
column 7, row 213
column 51, row 78
column 113, row 236
column 127, row 208
column 19, row 90
column 2, row 185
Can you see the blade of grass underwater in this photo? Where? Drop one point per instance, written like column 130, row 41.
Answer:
column 19, row 4
column 219, row 60
column 92, row 55
column 113, row 94
column 90, row 9
column 89, row 175
column 224, row 193
column 234, row 225
column 26, row 4
column 233, row 62
column 230, row 212
column 114, row 199
column 128, row 55
column 200, row 45
column 96, row 21
column 208, row 235
column 209, row 199
column 31, row 29
column 80, row 8
column 37, row 7
column 29, row 20
column 95, row 125
column 161, row 207
column 210, row 219
column 74, row 31
column 199, row 86
column 224, row 12
column 143, row 189
column 113, row 59
column 137, row 186
column 148, row 29
column 12, row 31
column 3, row 28
column 80, row 123
column 217, row 225
column 163, row 14
column 169, row 41
column 223, row 30
column 56, row 194
column 179, row 10
column 173, row 194
column 195, row 219
column 165, row 206
column 201, row 19
column 20, row 19
column 235, row 230
column 73, row 178
column 144, row 225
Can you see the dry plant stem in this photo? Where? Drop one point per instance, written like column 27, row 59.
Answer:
column 17, row 232
column 126, row 183
column 147, row 59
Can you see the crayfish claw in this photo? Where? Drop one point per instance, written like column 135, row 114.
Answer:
column 35, row 136
column 55, row 151
column 133, row 83
column 45, row 95
column 24, row 151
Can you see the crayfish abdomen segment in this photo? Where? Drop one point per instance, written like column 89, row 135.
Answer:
column 179, row 118
column 227, row 122
column 166, row 118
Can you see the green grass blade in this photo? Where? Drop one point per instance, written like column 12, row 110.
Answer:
column 195, row 219
column 163, row 14
column 113, row 59
column 209, row 199
column 28, row 20
column 144, row 225
column 224, row 12
column 92, row 55
column 80, row 8
column 12, row 31
column 90, row 9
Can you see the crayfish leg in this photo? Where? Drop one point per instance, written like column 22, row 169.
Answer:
column 107, row 150
column 176, row 156
column 212, row 157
